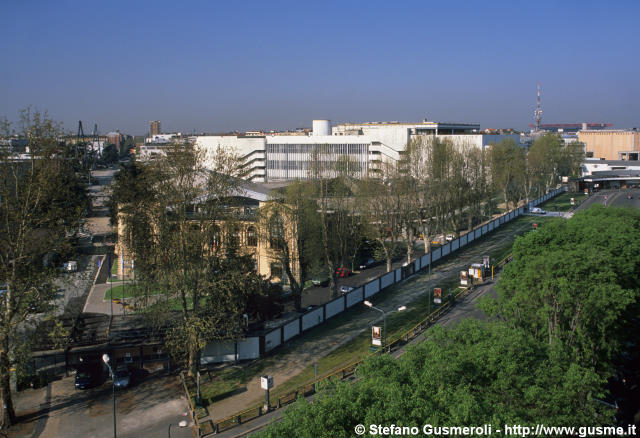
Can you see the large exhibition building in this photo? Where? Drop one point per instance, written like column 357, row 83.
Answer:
column 285, row 156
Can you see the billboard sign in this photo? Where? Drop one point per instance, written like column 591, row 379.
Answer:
column 464, row 278
column 376, row 335
column 437, row 295
column 266, row 382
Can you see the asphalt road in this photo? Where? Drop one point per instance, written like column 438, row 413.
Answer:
column 613, row 198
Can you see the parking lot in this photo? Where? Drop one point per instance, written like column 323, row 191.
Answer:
column 59, row 410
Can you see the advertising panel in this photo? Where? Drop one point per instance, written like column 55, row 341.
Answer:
column 437, row 295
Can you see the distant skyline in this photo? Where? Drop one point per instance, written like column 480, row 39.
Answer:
column 224, row 66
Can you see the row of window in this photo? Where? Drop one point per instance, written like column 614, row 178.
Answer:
column 250, row 233
column 357, row 166
column 333, row 149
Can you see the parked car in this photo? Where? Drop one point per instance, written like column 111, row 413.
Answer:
column 344, row 289
column 70, row 266
column 536, row 210
column 450, row 237
column 343, row 272
column 88, row 376
column 322, row 282
column 122, row 378
column 369, row 263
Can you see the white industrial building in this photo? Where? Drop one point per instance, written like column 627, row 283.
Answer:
column 275, row 157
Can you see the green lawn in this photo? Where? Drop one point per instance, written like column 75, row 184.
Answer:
column 114, row 267
column 123, row 291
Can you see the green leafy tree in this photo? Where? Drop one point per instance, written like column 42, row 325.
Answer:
column 179, row 234
column 507, row 169
column 42, row 200
column 574, row 283
column 548, row 153
column 296, row 240
column 475, row 373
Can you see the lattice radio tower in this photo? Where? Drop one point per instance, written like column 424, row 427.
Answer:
column 538, row 112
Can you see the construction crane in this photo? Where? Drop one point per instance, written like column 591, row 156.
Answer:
column 80, row 140
column 94, row 143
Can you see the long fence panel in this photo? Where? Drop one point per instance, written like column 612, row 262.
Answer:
column 272, row 339
column 334, row 307
column 219, row 351
column 372, row 288
column 387, row 280
column 312, row 318
column 249, row 348
column 291, row 329
column 354, row 297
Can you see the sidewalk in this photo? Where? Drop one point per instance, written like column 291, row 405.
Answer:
column 96, row 302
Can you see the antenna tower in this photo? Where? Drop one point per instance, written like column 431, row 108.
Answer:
column 538, row 112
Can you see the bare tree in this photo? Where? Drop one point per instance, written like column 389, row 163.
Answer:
column 379, row 206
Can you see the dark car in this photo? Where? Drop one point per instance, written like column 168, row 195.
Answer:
column 343, row 272
column 88, row 376
column 122, row 378
column 370, row 263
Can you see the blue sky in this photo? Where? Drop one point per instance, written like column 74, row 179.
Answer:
column 242, row 65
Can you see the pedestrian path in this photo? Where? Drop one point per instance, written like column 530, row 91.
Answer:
column 97, row 304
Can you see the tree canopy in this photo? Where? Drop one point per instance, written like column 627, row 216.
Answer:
column 576, row 283
column 42, row 201
column 475, row 373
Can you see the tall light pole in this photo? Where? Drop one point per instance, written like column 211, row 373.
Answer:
column 105, row 359
column 384, row 320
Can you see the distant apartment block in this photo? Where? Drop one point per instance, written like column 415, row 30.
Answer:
column 115, row 138
column 611, row 144
column 154, row 128
column 276, row 157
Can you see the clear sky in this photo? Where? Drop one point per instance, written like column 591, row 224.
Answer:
column 243, row 65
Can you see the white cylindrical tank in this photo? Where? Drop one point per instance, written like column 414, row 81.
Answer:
column 321, row 127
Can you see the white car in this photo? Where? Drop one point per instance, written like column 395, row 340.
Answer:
column 450, row 237
column 536, row 210
column 346, row 289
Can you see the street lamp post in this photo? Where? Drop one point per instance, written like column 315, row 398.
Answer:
column 384, row 320
column 106, row 360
